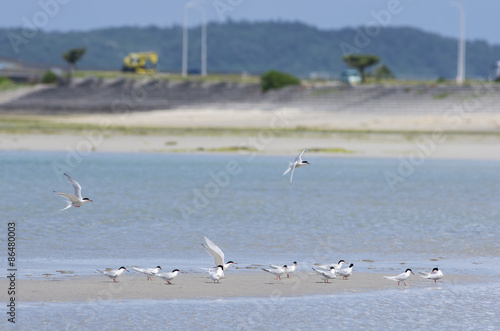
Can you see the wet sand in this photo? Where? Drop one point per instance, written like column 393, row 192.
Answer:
column 280, row 132
column 200, row 286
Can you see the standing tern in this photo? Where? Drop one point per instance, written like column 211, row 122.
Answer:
column 401, row 277
column 435, row 274
column 168, row 276
column 73, row 199
column 289, row 269
column 296, row 164
column 277, row 271
column 149, row 272
column 113, row 274
column 346, row 272
column 216, row 253
column 326, row 275
column 216, row 274
column 337, row 266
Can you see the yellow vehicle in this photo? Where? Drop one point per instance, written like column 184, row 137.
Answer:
column 141, row 63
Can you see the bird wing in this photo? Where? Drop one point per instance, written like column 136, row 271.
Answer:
column 290, row 166
column 139, row 270
column 401, row 277
column 68, row 205
column 70, row 197
column 342, row 272
column 76, row 186
column 214, row 251
column 293, row 170
column 326, row 266
column 424, row 274
column 166, row 275
column 280, row 270
column 320, row 272
column 113, row 273
column 299, row 157
column 274, row 266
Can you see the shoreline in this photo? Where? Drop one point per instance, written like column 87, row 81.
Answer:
column 280, row 132
column 132, row 286
column 470, row 147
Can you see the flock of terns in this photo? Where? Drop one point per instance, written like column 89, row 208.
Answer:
column 326, row 272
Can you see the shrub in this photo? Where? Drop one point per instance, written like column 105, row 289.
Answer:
column 5, row 83
column 383, row 72
column 49, row 77
column 4, row 80
column 275, row 80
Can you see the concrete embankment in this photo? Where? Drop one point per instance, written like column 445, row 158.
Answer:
column 125, row 95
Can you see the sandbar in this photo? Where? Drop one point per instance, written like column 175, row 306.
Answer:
column 271, row 132
column 255, row 283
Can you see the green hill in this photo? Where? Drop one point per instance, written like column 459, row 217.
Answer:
column 256, row 47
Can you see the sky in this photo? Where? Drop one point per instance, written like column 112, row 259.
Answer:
column 438, row 16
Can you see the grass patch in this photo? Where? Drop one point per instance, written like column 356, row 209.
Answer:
column 212, row 78
column 440, row 96
column 324, row 91
column 48, row 125
column 230, row 149
column 331, row 150
column 7, row 84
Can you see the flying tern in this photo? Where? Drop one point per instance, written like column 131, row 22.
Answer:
column 216, row 253
column 289, row 269
column 326, row 275
column 168, row 276
column 296, row 164
column 346, row 272
column 76, row 199
column 435, row 274
column 401, row 277
column 113, row 274
column 277, row 271
column 149, row 272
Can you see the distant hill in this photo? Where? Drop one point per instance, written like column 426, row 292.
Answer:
column 256, row 47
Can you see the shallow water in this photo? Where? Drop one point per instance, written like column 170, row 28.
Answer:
column 151, row 209
column 449, row 307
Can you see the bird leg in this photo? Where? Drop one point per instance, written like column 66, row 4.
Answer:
column 169, row 283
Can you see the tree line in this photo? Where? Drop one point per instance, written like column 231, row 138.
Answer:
column 256, row 47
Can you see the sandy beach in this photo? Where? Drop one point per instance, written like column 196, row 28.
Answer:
column 280, row 132
column 199, row 286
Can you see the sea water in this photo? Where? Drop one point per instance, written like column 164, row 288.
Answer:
column 382, row 214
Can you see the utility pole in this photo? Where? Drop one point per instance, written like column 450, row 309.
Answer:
column 461, row 45
column 185, row 41
column 198, row 5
